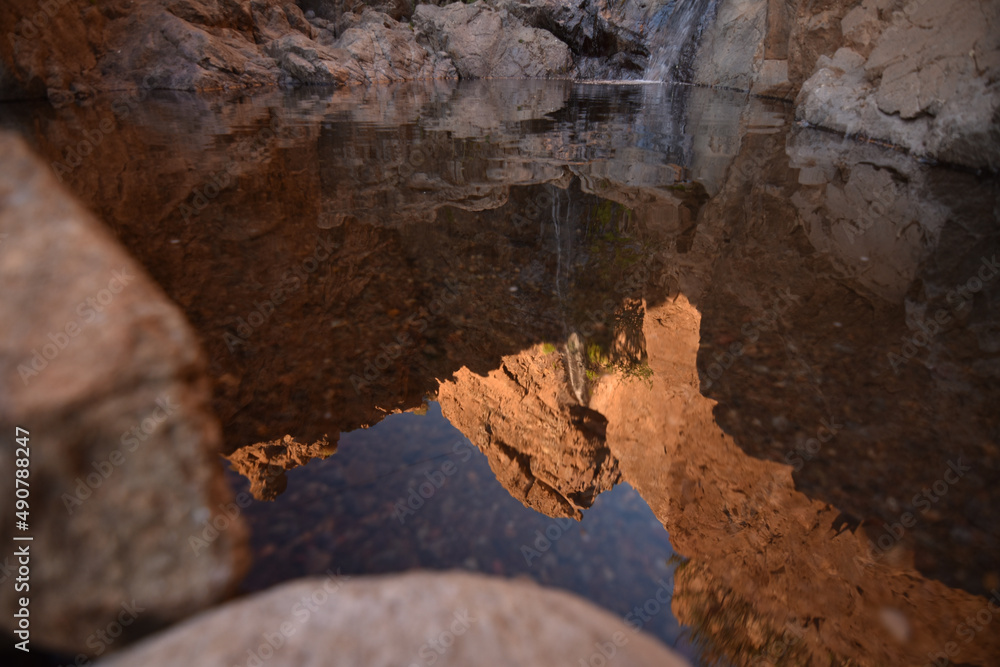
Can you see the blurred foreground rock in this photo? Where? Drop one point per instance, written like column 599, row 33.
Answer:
column 445, row 619
column 105, row 374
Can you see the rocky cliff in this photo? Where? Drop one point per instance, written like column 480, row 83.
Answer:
column 918, row 74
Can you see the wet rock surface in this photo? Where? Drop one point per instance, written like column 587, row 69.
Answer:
column 607, row 40
column 106, row 378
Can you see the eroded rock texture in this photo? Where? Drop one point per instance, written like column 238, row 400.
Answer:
column 544, row 447
column 923, row 75
column 265, row 463
column 487, row 43
column 180, row 45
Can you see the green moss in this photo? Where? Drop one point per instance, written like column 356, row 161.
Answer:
column 603, row 212
column 640, row 371
column 595, row 355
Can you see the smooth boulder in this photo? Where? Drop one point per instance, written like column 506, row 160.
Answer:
column 421, row 618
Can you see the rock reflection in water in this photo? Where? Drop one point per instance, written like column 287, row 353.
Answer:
column 412, row 492
column 668, row 287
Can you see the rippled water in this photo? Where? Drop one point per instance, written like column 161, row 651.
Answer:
column 628, row 340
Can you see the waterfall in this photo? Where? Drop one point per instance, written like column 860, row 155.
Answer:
column 573, row 351
column 558, row 228
column 676, row 32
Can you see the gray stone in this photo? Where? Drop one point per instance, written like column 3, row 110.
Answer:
column 485, row 42
column 388, row 51
column 308, row 62
column 446, row 619
column 926, row 78
column 732, row 46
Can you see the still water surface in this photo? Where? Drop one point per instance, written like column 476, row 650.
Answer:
column 634, row 341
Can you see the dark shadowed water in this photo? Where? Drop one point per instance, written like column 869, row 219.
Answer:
column 388, row 502
column 637, row 341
